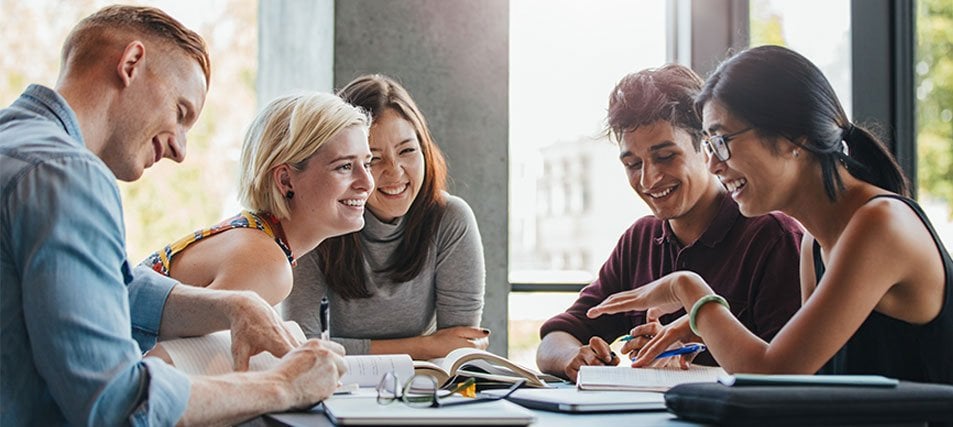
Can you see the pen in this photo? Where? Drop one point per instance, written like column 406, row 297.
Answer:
column 688, row 349
column 627, row 338
column 324, row 313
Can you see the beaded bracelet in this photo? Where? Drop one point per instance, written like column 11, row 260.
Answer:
column 698, row 305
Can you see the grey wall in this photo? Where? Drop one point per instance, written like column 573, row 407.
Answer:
column 295, row 47
column 453, row 57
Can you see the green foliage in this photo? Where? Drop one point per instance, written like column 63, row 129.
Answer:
column 934, row 67
column 765, row 25
column 171, row 199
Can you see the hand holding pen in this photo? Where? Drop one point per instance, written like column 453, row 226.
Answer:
column 651, row 339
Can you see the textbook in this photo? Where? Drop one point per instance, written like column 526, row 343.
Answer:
column 482, row 365
column 211, row 355
column 644, row 379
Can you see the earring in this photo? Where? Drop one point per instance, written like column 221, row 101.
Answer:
column 290, row 194
column 796, row 153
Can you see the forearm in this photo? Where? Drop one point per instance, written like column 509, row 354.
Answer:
column 233, row 398
column 416, row 347
column 732, row 345
column 193, row 311
column 556, row 351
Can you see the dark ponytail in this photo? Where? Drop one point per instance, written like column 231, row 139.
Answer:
column 870, row 161
column 782, row 94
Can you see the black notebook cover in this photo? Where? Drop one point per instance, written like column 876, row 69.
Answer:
column 812, row 405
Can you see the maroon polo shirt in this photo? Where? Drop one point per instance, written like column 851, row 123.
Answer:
column 752, row 262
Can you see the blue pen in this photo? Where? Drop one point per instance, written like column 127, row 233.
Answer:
column 688, row 349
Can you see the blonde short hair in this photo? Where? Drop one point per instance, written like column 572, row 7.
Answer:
column 289, row 130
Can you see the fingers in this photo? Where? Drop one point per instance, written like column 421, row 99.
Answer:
column 596, row 353
column 653, row 314
column 640, row 336
column 653, row 348
column 332, row 346
column 601, row 350
column 611, row 306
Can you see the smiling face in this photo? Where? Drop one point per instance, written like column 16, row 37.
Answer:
column 665, row 170
column 760, row 178
column 332, row 188
column 153, row 114
column 397, row 165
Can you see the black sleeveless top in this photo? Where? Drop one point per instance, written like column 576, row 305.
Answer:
column 891, row 347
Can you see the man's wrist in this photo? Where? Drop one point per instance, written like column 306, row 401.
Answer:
column 236, row 304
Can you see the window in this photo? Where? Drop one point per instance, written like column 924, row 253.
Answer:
column 171, row 199
column 817, row 29
column 933, row 68
column 569, row 197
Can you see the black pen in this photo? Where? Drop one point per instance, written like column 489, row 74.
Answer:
column 325, row 318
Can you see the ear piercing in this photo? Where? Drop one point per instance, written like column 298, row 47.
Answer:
column 290, row 194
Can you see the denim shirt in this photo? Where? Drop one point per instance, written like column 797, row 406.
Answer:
column 72, row 351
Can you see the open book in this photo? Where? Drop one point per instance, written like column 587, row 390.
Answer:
column 479, row 364
column 643, row 379
column 211, row 355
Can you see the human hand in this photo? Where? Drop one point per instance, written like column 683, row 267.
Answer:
column 596, row 353
column 256, row 327
column 661, row 294
column 446, row 340
column 652, row 338
column 312, row 372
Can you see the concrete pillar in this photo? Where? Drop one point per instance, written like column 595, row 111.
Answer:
column 295, row 47
column 453, row 57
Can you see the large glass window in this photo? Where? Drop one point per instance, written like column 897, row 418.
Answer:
column 817, row 29
column 934, row 97
column 171, row 199
column 569, row 197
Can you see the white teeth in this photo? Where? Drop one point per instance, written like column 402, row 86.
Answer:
column 353, row 202
column 393, row 191
column 663, row 193
column 734, row 184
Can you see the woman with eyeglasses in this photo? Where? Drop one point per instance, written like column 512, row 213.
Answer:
column 412, row 280
column 877, row 283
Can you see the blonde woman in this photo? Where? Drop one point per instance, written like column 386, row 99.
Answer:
column 304, row 177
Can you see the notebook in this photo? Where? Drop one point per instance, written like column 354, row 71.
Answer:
column 643, row 379
column 575, row 400
column 356, row 411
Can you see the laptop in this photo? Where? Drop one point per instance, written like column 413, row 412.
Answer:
column 576, row 401
column 353, row 411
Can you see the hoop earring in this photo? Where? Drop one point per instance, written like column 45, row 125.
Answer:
column 290, row 194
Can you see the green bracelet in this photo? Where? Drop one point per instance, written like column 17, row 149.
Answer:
column 698, row 305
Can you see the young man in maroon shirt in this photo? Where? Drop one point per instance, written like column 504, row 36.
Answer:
column 752, row 262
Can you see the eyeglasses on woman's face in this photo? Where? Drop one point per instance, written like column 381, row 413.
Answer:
column 717, row 145
column 422, row 391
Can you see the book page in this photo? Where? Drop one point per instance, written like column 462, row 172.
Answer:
column 651, row 379
column 498, row 366
column 212, row 354
column 366, row 371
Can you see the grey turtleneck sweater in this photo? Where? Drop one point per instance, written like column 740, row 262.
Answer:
column 447, row 292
